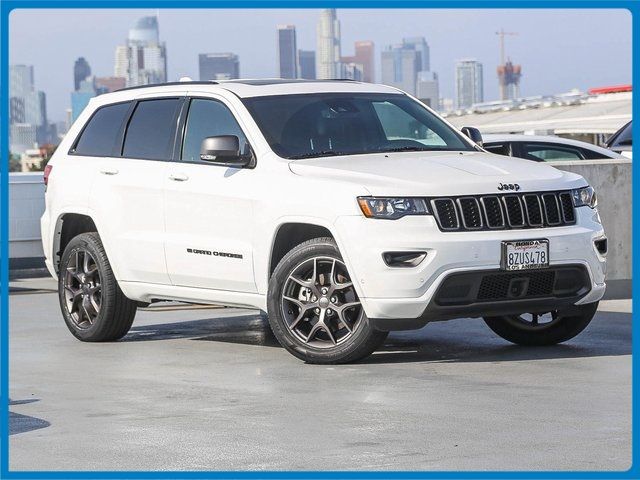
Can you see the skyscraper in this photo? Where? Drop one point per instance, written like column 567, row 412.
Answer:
column 80, row 98
column 81, row 70
column 428, row 89
column 509, row 80
column 400, row 68
column 287, row 50
column 328, row 45
column 401, row 63
column 421, row 47
column 143, row 60
column 218, row 66
column 364, row 56
column 469, row 84
column 27, row 110
column 307, row 64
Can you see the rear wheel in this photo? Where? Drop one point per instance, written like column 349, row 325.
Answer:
column 93, row 306
column 543, row 328
column 314, row 310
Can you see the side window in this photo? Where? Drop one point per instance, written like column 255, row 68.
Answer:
column 499, row 148
column 398, row 125
column 550, row 152
column 208, row 118
column 100, row 135
column 151, row 130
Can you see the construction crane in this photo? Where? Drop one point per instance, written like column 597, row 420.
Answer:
column 502, row 34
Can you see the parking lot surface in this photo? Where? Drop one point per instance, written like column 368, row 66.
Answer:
column 194, row 388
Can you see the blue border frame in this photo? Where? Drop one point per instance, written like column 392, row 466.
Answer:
column 6, row 6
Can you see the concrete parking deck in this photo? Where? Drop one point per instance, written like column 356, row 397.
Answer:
column 205, row 388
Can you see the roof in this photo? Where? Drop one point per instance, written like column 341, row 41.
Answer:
column 270, row 86
column 505, row 137
column 594, row 114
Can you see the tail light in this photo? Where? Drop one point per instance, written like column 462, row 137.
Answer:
column 47, row 172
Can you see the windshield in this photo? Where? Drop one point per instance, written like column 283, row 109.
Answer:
column 326, row 124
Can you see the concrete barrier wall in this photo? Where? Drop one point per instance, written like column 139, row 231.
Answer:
column 610, row 178
column 26, row 205
column 612, row 181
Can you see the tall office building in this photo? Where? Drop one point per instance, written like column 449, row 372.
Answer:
column 402, row 63
column 27, row 110
column 469, row 84
column 287, row 51
column 421, row 47
column 399, row 68
column 328, row 45
column 364, row 56
column 143, row 59
column 428, row 89
column 307, row 64
column 85, row 92
column 110, row 84
column 81, row 70
column 218, row 66
column 351, row 71
column 509, row 80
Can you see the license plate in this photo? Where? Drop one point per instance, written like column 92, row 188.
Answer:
column 525, row 254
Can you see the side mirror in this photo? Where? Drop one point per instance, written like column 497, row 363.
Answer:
column 474, row 134
column 223, row 150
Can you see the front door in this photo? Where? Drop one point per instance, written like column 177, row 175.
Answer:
column 209, row 208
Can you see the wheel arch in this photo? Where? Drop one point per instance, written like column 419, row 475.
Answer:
column 290, row 234
column 69, row 225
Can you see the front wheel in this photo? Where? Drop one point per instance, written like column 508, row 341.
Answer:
column 314, row 310
column 543, row 328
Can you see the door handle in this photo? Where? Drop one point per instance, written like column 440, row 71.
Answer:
column 109, row 172
column 178, row 177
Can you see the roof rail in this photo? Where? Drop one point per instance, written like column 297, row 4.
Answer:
column 211, row 82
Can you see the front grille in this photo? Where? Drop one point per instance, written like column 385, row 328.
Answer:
column 497, row 286
column 504, row 212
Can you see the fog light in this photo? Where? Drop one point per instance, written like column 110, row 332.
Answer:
column 601, row 246
column 403, row 259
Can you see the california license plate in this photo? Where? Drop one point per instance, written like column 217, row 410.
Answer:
column 525, row 254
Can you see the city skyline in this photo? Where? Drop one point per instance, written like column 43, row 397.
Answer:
column 259, row 60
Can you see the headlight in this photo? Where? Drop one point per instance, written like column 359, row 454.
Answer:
column 584, row 197
column 392, row 208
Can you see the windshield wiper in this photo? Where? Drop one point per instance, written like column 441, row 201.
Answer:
column 410, row 149
column 322, row 153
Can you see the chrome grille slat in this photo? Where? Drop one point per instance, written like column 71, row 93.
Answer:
column 533, row 207
column 551, row 209
column 503, row 211
column 515, row 212
column 492, row 209
column 470, row 213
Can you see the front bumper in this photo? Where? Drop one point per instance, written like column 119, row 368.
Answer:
column 404, row 293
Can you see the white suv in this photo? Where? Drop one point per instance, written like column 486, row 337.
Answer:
column 343, row 209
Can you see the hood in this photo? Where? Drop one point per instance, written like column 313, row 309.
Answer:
column 437, row 173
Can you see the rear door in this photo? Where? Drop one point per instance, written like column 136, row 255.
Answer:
column 209, row 208
column 128, row 191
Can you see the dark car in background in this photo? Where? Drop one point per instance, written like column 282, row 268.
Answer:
column 621, row 141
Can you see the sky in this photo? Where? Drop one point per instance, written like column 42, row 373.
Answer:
column 558, row 49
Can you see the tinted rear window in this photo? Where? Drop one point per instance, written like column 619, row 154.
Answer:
column 151, row 130
column 100, row 136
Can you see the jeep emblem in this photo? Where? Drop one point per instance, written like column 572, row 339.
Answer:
column 509, row 186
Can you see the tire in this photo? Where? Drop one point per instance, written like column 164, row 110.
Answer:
column 563, row 325
column 334, row 324
column 93, row 306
